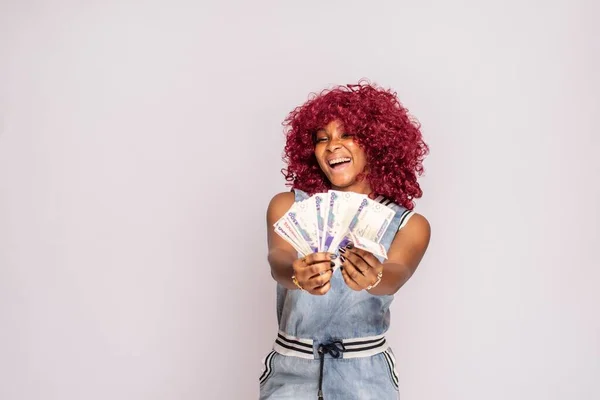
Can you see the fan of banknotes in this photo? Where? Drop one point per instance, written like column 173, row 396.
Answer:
column 325, row 222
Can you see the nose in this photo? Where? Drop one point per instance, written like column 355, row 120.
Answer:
column 333, row 145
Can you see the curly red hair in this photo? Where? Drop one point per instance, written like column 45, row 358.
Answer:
column 391, row 140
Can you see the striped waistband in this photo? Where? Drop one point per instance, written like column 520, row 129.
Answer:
column 353, row 348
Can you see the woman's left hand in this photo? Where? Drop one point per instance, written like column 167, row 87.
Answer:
column 361, row 270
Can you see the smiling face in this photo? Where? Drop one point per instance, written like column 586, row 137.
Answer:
column 341, row 158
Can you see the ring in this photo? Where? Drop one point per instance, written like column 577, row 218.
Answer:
column 379, row 276
column 296, row 283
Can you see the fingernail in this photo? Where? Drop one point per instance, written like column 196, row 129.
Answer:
column 332, row 264
column 342, row 259
column 341, row 267
column 333, row 256
column 342, row 250
column 349, row 245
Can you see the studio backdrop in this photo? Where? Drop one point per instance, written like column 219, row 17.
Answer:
column 140, row 144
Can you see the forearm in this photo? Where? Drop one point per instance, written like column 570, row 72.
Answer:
column 281, row 267
column 394, row 277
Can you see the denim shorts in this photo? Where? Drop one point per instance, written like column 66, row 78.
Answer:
column 359, row 368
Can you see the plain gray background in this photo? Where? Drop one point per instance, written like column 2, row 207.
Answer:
column 140, row 143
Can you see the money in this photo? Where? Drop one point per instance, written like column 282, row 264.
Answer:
column 304, row 220
column 321, row 209
column 327, row 221
column 370, row 221
column 372, row 247
column 284, row 229
column 347, row 206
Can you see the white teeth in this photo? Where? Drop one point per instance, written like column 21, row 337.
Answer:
column 338, row 160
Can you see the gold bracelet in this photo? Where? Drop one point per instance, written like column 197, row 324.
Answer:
column 296, row 283
column 379, row 276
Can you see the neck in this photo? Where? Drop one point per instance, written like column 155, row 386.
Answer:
column 359, row 187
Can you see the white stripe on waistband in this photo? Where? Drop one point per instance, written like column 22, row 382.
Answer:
column 356, row 347
column 292, row 346
column 364, row 347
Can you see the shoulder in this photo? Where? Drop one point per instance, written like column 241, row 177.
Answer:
column 415, row 226
column 283, row 198
column 406, row 215
column 279, row 204
column 416, row 221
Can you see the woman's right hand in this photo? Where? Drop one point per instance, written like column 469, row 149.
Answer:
column 313, row 272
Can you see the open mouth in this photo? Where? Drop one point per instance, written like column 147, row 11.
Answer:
column 337, row 163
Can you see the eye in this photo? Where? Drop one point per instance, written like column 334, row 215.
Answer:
column 347, row 135
column 321, row 139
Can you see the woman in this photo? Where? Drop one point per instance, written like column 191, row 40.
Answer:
column 332, row 321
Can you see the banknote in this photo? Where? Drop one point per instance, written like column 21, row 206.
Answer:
column 303, row 218
column 325, row 221
column 372, row 247
column 321, row 207
column 281, row 232
column 348, row 205
column 333, row 205
column 341, row 208
column 284, row 226
column 370, row 221
column 351, row 225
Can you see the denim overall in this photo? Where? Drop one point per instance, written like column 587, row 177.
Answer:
column 333, row 346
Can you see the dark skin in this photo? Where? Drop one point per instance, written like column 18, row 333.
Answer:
column 359, row 267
